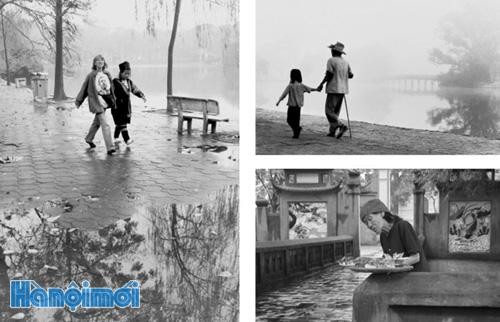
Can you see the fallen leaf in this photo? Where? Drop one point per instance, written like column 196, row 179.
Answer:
column 52, row 219
column 18, row 316
column 225, row 274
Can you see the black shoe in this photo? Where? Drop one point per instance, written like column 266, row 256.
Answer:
column 342, row 131
column 332, row 133
column 91, row 144
column 296, row 134
column 110, row 152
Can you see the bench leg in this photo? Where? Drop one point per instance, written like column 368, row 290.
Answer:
column 180, row 124
column 189, row 126
column 214, row 126
column 205, row 126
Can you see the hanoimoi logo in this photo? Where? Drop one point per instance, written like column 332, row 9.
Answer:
column 27, row 293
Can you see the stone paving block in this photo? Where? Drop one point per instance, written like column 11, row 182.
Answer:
column 56, row 163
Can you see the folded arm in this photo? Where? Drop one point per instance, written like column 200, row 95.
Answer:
column 412, row 259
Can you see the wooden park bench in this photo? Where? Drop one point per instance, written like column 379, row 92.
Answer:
column 189, row 108
column 20, row 82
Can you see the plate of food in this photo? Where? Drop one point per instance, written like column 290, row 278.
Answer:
column 386, row 264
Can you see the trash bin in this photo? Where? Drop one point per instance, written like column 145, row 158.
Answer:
column 40, row 86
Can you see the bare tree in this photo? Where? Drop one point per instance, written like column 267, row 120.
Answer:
column 55, row 20
column 153, row 8
column 5, row 49
column 4, row 3
column 20, row 49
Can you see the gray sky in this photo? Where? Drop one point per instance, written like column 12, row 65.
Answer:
column 121, row 14
column 296, row 32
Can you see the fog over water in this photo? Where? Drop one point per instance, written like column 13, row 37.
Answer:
column 206, row 56
column 382, row 39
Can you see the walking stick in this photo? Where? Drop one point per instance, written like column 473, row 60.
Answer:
column 348, row 121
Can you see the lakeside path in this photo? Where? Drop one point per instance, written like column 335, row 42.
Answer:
column 53, row 167
column 273, row 136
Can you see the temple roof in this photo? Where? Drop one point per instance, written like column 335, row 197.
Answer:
column 307, row 188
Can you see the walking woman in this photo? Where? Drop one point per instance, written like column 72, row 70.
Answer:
column 122, row 115
column 98, row 89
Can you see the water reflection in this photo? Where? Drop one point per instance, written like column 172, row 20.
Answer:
column 185, row 256
column 473, row 112
column 470, row 112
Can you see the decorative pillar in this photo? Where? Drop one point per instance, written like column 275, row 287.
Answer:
column 384, row 186
column 353, row 199
column 262, row 232
column 419, row 206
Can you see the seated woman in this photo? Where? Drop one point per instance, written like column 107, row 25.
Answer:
column 396, row 234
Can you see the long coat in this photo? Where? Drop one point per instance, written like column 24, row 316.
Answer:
column 89, row 91
column 123, row 112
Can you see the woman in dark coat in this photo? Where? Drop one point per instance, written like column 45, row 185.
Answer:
column 123, row 86
column 396, row 234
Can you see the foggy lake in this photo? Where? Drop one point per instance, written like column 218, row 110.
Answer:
column 465, row 111
column 400, row 38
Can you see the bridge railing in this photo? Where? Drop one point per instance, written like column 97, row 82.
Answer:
column 281, row 261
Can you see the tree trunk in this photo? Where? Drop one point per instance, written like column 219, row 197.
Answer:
column 171, row 47
column 5, row 49
column 59, row 72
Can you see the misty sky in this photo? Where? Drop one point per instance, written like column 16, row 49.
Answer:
column 122, row 14
column 392, row 36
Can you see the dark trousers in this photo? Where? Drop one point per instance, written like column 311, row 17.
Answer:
column 123, row 130
column 333, row 105
column 293, row 118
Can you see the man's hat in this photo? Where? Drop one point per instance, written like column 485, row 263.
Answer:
column 372, row 206
column 124, row 66
column 338, row 47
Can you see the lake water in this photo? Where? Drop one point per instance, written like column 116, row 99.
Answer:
column 474, row 112
column 195, row 80
column 322, row 296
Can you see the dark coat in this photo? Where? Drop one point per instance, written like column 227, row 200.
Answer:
column 123, row 111
column 89, row 91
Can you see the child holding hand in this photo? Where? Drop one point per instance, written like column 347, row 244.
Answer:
column 295, row 91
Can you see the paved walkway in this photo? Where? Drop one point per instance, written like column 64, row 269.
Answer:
column 51, row 162
column 275, row 137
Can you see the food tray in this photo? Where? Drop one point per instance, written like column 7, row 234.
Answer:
column 380, row 270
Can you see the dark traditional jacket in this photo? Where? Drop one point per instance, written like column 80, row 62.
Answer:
column 123, row 112
column 89, row 91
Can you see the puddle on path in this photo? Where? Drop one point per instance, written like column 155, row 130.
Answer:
column 10, row 159
column 203, row 148
column 186, row 258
